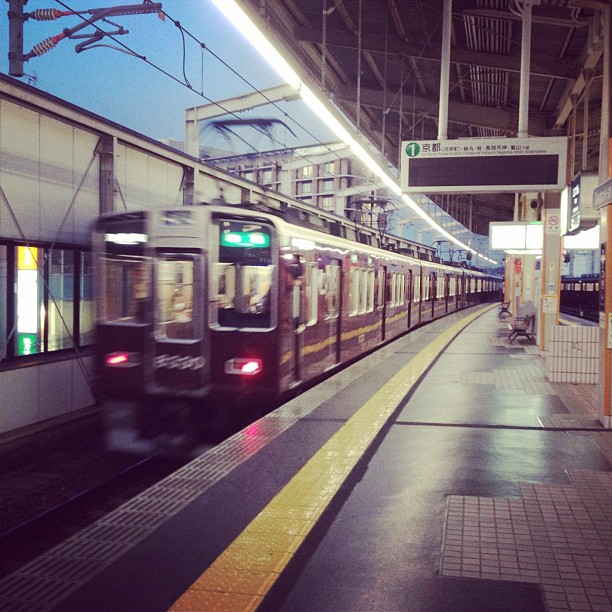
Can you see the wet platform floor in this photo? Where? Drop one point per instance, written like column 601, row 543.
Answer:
column 442, row 473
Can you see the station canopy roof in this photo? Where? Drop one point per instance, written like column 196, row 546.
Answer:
column 396, row 46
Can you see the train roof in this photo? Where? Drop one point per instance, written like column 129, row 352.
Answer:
column 301, row 230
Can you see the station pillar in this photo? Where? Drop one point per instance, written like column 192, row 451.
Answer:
column 604, row 408
column 605, row 320
column 550, row 270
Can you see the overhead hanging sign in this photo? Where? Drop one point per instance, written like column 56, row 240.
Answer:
column 602, row 196
column 516, row 236
column 484, row 165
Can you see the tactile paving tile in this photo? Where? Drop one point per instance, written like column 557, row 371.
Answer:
column 46, row 592
column 77, row 569
column 559, row 536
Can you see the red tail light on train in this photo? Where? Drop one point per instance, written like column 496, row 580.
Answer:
column 122, row 360
column 244, row 366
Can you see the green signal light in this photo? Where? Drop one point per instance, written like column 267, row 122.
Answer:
column 245, row 239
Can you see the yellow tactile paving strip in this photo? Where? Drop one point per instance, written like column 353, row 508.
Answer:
column 242, row 575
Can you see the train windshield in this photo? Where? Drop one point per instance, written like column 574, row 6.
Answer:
column 177, row 313
column 242, row 284
column 126, row 288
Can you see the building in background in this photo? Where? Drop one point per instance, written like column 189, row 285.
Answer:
column 324, row 176
column 329, row 177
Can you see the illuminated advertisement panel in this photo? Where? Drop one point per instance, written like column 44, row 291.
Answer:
column 27, row 300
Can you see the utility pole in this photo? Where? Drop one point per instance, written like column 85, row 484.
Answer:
column 16, row 18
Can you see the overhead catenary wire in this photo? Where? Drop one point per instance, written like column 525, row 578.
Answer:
column 202, row 95
column 186, row 84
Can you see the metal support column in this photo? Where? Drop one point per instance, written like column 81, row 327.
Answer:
column 604, row 409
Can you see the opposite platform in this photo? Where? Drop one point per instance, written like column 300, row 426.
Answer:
column 468, row 494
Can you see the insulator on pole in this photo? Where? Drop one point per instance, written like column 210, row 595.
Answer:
column 45, row 45
column 48, row 14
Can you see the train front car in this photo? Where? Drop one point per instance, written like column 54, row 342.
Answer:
column 152, row 345
column 243, row 295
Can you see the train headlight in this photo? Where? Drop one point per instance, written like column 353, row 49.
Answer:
column 121, row 359
column 244, row 366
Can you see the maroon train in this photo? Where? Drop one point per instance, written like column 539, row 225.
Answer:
column 203, row 311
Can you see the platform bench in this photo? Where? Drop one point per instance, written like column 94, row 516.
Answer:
column 522, row 326
column 504, row 309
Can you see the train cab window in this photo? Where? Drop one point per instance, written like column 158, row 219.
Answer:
column 241, row 291
column 176, row 312
column 126, row 288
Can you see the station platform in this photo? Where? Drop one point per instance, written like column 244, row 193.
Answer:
column 443, row 472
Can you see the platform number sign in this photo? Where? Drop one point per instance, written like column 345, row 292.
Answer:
column 413, row 149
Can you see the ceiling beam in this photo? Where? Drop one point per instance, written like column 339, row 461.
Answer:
column 459, row 112
column 542, row 66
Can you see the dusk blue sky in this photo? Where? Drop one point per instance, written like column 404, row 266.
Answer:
column 127, row 90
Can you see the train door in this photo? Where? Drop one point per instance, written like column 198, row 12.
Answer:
column 333, row 282
column 180, row 360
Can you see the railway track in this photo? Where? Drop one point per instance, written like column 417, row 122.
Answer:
column 586, row 314
column 34, row 523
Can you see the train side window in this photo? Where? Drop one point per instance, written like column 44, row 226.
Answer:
column 402, row 289
column 354, row 291
column 370, row 296
column 363, row 290
column 355, row 280
column 312, row 292
column 332, row 290
column 416, row 293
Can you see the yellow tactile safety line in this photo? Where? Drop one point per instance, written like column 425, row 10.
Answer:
column 245, row 571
